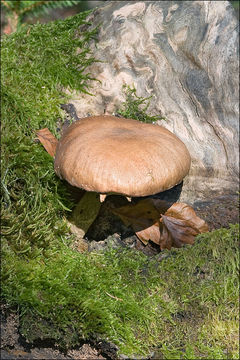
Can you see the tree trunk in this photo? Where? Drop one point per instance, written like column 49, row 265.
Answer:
column 184, row 54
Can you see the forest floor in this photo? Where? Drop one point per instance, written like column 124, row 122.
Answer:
column 218, row 213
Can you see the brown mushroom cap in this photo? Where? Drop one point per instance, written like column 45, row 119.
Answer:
column 108, row 154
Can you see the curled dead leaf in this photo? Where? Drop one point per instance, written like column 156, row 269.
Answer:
column 140, row 216
column 181, row 223
column 185, row 212
column 48, row 140
column 167, row 225
column 151, row 233
column 179, row 230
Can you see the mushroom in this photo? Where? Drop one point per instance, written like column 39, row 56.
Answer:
column 111, row 155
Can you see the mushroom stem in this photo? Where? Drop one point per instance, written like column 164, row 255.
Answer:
column 128, row 198
column 85, row 213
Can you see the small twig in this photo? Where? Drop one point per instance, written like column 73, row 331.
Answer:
column 113, row 297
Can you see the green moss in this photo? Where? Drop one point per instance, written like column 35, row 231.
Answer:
column 185, row 306
column 37, row 64
column 136, row 107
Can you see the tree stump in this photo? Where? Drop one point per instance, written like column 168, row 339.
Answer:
column 185, row 55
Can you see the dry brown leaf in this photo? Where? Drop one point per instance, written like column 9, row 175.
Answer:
column 166, row 238
column 181, row 223
column 151, row 233
column 48, row 140
column 185, row 212
column 164, row 224
column 180, row 231
column 144, row 217
column 140, row 215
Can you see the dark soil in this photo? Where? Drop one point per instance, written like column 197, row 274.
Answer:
column 14, row 346
column 218, row 212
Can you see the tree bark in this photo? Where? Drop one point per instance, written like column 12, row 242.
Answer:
column 184, row 54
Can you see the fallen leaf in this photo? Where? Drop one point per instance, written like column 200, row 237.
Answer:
column 143, row 218
column 185, row 212
column 140, row 215
column 181, row 224
column 178, row 230
column 167, row 225
column 151, row 233
column 166, row 238
column 48, row 140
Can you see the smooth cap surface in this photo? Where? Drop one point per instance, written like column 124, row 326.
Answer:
column 108, row 154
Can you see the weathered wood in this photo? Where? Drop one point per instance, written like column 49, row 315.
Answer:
column 184, row 54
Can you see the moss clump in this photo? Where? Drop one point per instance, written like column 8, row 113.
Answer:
column 135, row 107
column 184, row 305
column 38, row 62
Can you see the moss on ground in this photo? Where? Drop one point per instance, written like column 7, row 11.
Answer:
column 186, row 306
